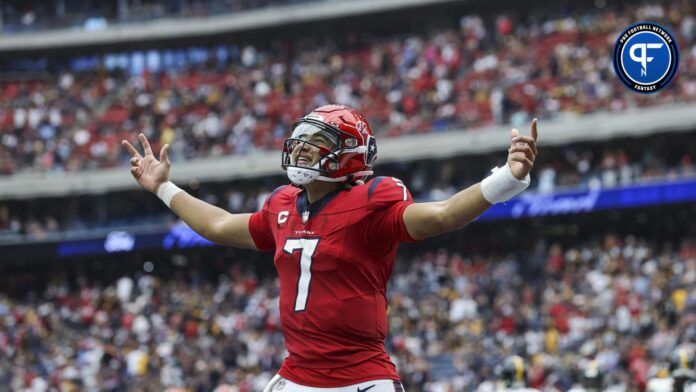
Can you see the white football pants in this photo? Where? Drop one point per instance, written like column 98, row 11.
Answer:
column 280, row 384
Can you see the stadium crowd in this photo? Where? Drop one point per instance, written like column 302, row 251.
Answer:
column 619, row 163
column 620, row 301
column 188, row 323
column 237, row 100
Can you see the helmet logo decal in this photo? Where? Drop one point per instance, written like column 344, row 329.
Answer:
column 361, row 127
column 371, row 150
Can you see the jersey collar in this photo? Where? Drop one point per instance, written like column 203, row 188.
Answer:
column 305, row 208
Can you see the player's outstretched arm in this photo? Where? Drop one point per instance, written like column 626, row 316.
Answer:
column 211, row 222
column 424, row 220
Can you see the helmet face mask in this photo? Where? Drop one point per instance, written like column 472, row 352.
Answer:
column 317, row 145
column 333, row 144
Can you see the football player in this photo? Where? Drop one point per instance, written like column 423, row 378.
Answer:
column 681, row 367
column 334, row 236
column 514, row 375
column 681, row 376
column 592, row 379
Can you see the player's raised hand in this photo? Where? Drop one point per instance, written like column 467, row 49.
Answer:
column 522, row 152
column 147, row 170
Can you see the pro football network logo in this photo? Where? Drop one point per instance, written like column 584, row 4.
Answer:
column 646, row 57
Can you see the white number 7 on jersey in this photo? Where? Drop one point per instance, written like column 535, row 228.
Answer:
column 308, row 246
column 401, row 185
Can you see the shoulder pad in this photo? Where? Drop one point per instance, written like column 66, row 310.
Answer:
column 383, row 191
column 280, row 197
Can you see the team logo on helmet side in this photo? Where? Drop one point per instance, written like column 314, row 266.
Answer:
column 371, row 150
column 646, row 57
column 361, row 127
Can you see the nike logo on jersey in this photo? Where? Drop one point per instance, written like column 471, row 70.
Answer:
column 365, row 389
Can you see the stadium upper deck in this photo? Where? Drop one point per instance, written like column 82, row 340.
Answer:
column 63, row 23
column 237, row 99
column 20, row 16
column 227, row 101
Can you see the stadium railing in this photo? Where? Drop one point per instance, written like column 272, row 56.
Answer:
column 172, row 28
column 165, row 236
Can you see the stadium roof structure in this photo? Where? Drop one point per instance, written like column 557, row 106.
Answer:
column 635, row 122
column 191, row 27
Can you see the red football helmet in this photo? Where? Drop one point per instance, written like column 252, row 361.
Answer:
column 347, row 157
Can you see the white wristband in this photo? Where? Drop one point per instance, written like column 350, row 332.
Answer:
column 166, row 192
column 502, row 185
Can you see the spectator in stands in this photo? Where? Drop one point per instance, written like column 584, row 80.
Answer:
column 621, row 304
column 246, row 100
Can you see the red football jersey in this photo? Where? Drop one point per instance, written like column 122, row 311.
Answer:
column 334, row 259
